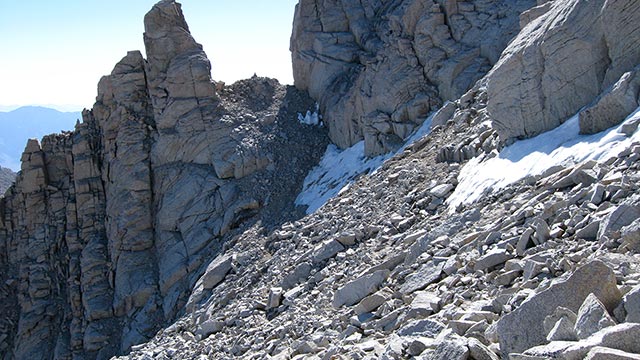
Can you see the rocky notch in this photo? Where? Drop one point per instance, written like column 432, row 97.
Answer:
column 103, row 235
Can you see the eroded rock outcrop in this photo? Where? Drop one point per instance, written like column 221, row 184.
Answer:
column 562, row 61
column 107, row 228
column 379, row 68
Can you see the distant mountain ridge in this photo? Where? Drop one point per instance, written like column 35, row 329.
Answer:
column 6, row 179
column 29, row 122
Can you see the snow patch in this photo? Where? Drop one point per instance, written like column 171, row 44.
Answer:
column 311, row 118
column 561, row 146
column 339, row 168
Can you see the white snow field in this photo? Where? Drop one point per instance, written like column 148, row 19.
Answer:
column 480, row 176
column 560, row 146
column 339, row 168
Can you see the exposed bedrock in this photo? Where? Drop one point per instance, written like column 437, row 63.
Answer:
column 568, row 58
column 378, row 68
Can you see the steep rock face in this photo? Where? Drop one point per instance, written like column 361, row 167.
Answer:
column 378, row 68
column 560, row 63
column 107, row 228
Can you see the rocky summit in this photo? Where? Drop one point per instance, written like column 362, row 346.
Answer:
column 504, row 222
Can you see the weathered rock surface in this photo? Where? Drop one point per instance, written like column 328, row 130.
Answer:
column 208, row 259
column 563, row 60
column 622, row 339
column 631, row 302
column 523, row 328
column 592, row 317
column 613, row 105
column 378, row 68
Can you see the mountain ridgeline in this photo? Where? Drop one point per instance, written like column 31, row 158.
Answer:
column 164, row 225
column 29, row 122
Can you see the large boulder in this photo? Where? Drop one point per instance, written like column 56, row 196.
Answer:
column 524, row 327
column 561, row 62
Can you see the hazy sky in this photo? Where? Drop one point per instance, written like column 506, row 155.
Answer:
column 54, row 52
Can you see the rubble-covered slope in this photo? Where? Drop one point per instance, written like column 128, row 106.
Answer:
column 385, row 270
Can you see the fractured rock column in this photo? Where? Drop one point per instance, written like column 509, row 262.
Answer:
column 183, row 154
column 179, row 73
column 39, row 313
column 124, row 115
column 95, row 263
column 57, row 150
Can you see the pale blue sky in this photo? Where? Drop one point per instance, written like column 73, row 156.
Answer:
column 54, row 52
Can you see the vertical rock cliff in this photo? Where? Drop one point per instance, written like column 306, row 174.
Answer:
column 378, row 68
column 108, row 227
column 564, row 59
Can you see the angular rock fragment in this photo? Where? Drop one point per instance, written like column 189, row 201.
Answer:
column 216, row 271
column 424, row 328
column 371, row 302
column 623, row 215
column 352, row 292
column 442, row 190
column 275, row 298
column 491, row 259
column 563, row 330
column 560, row 325
column 523, row 328
column 592, row 317
column 426, row 274
column 631, row 302
column 326, row 250
column 449, row 346
column 604, row 353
